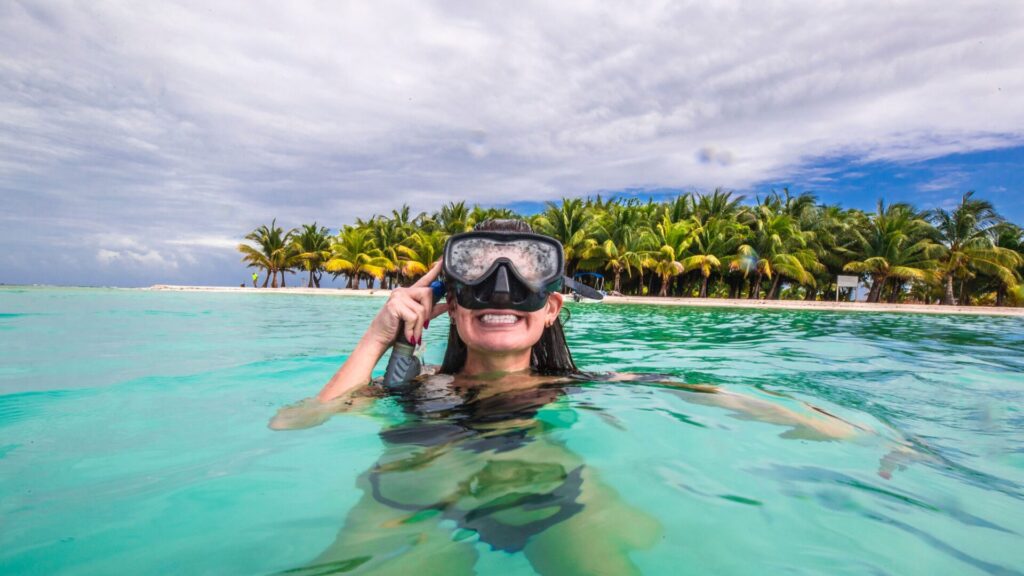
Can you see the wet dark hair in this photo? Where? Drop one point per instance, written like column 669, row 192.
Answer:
column 550, row 355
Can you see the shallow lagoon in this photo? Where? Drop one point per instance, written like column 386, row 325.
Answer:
column 133, row 436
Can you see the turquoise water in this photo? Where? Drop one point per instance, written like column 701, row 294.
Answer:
column 134, row 439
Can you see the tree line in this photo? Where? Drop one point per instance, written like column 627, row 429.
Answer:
column 705, row 245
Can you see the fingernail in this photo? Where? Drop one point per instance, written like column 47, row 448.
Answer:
column 426, row 324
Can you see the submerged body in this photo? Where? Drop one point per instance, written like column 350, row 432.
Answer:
column 477, row 459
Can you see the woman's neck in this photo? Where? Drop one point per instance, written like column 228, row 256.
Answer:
column 478, row 364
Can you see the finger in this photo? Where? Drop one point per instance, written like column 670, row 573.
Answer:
column 410, row 316
column 430, row 276
column 425, row 298
column 414, row 316
column 422, row 314
column 437, row 310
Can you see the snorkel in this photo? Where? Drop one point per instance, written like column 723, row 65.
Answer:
column 404, row 365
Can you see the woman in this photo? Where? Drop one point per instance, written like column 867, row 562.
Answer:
column 474, row 457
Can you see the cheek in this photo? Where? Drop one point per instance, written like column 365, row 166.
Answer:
column 537, row 320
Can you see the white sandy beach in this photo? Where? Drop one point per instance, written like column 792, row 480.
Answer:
column 653, row 300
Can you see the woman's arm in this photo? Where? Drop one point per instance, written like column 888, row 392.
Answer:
column 313, row 412
column 414, row 306
column 817, row 424
column 355, row 372
column 410, row 308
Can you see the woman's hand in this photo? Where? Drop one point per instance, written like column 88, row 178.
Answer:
column 414, row 306
column 312, row 412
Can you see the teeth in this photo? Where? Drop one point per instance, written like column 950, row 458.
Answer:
column 498, row 319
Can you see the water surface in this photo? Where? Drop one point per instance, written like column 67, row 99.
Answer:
column 133, row 437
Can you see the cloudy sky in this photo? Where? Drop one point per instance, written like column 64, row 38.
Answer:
column 140, row 141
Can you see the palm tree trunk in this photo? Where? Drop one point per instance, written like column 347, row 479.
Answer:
column 266, row 278
column 811, row 294
column 1000, row 296
column 618, row 278
column 755, row 288
column 947, row 296
column 773, row 294
column 876, row 288
column 273, row 280
column 282, row 280
column 704, row 287
column 897, row 288
column 663, row 289
column 310, row 283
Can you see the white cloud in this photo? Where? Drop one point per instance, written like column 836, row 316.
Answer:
column 173, row 121
column 145, row 257
column 206, row 242
column 949, row 181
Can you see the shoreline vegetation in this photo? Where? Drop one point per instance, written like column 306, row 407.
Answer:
column 780, row 248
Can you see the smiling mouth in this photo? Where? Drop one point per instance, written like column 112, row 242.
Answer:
column 492, row 319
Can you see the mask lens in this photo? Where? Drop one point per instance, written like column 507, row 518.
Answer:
column 536, row 262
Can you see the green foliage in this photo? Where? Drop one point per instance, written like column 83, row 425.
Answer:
column 273, row 252
column 708, row 245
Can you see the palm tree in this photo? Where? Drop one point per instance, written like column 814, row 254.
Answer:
column 311, row 246
column 402, row 220
column 829, row 231
column 388, row 234
column 568, row 223
column 778, row 248
column 670, row 242
column 714, row 240
column 453, row 218
column 419, row 252
column 478, row 215
column 966, row 232
column 354, row 254
column 1010, row 237
column 272, row 252
column 718, row 205
column 893, row 244
column 679, row 208
column 619, row 242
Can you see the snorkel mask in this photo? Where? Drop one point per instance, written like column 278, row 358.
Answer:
column 498, row 269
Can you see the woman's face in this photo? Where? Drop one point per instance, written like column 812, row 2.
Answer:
column 499, row 331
